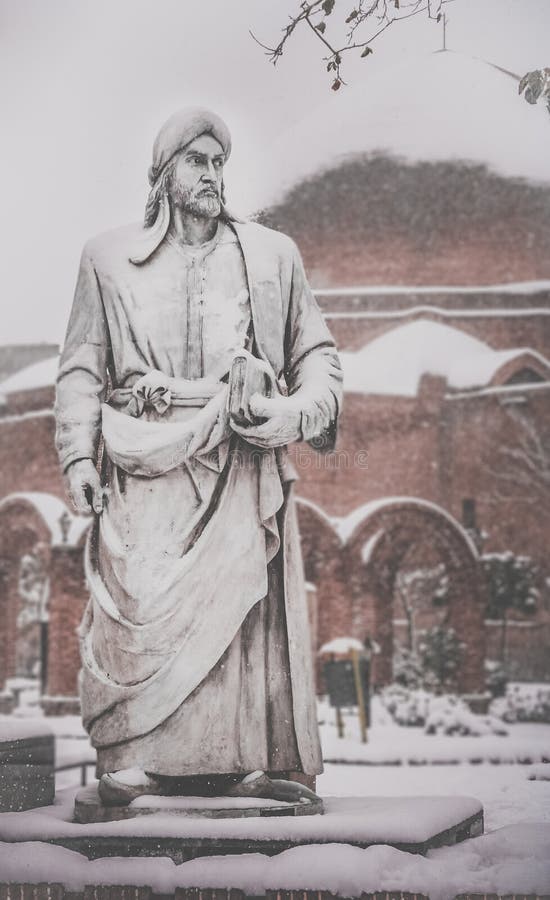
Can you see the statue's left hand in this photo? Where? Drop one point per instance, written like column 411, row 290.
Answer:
column 283, row 415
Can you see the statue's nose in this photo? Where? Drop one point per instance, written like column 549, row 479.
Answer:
column 210, row 173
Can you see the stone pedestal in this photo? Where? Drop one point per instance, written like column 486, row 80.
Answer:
column 89, row 808
column 413, row 824
column 27, row 777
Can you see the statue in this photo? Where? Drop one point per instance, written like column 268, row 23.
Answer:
column 195, row 353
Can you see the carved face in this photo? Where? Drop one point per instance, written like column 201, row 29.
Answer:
column 196, row 181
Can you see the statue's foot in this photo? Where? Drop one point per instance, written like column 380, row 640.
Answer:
column 258, row 784
column 120, row 788
column 291, row 791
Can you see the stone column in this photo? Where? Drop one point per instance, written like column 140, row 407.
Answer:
column 8, row 626
column 68, row 597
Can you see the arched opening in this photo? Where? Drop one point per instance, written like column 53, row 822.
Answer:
column 25, row 540
column 32, row 526
column 415, row 569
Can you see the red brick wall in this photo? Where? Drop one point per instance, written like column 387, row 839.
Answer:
column 513, row 505
column 28, row 461
column 20, row 402
column 474, row 259
column 386, row 447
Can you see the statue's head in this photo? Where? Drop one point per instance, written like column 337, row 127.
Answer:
column 189, row 154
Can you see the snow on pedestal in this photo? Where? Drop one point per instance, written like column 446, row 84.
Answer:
column 413, row 824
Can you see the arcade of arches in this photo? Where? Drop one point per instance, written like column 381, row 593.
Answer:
column 352, row 567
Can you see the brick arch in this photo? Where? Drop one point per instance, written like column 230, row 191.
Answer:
column 27, row 521
column 381, row 536
column 528, row 360
column 22, row 529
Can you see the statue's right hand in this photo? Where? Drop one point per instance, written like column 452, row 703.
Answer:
column 84, row 487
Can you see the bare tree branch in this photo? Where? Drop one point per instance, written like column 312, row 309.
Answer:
column 525, row 470
column 315, row 14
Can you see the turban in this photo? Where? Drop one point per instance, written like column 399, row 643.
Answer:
column 176, row 133
column 182, row 128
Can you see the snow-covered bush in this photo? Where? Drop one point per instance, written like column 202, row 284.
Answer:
column 450, row 715
column 407, row 667
column 406, row 707
column 434, row 665
column 439, row 714
column 523, row 703
column 440, row 651
column 512, row 582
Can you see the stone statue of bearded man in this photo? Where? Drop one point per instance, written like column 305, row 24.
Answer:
column 196, row 666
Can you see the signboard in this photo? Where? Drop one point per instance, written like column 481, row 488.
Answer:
column 340, row 679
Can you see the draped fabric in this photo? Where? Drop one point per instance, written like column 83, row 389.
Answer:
column 154, row 632
column 197, row 590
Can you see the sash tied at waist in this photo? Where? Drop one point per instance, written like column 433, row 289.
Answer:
column 160, row 399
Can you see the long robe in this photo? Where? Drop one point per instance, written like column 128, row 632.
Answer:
column 195, row 642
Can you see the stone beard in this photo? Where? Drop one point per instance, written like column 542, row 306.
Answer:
column 195, row 642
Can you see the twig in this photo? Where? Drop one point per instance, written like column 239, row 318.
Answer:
column 359, row 15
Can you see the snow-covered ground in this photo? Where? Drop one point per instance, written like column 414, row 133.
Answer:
column 512, row 857
column 508, row 795
column 393, row 745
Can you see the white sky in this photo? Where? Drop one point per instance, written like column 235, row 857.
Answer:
column 85, row 84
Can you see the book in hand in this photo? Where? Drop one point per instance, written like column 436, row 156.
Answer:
column 249, row 375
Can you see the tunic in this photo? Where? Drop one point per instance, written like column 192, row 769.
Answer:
column 185, row 642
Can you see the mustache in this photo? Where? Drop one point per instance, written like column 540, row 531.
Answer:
column 209, row 190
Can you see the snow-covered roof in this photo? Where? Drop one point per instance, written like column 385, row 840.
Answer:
column 366, row 290
column 395, row 362
column 38, row 375
column 441, row 106
column 342, row 645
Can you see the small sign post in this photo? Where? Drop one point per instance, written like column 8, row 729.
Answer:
column 360, row 695
column 347, row 682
